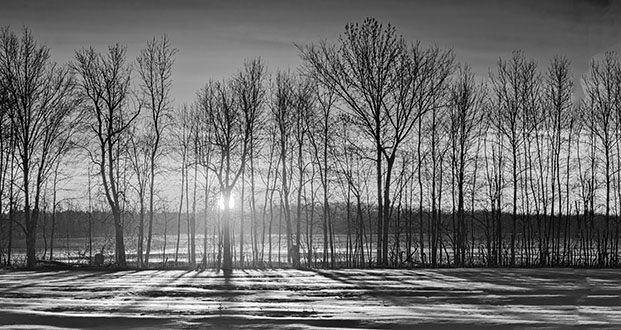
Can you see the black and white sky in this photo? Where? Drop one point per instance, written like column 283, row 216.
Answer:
column 214, row 37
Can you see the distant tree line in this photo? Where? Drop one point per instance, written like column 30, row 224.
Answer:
column 378, row 151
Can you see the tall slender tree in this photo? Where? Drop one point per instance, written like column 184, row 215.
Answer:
column 154, row 68
column 466, row 114
column 388, row 86
column 249, row 88
column 42, row 106
column 232, row 125
column 516, row 87
column 603, row 99
column 104, row 81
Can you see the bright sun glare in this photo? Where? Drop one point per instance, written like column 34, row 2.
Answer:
column 221, row 202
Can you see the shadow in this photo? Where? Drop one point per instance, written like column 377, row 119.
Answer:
column 374, row 298
column 227, row 274
column 80, row 322
column 460, row 300
column 45, row 278
column 370, row 288
column 157, row 287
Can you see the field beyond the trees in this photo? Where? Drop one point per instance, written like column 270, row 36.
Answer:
column 268, row 299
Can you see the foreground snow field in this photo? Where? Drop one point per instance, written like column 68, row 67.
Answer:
column 322, row 299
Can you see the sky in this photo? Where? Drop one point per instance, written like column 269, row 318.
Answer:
column 214, row 37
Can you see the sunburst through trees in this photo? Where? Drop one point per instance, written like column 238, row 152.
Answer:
column 377, row 151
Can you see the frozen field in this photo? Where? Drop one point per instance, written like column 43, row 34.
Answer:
column 293, row 299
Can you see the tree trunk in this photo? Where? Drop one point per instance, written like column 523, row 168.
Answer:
column 141, row 232
column 387, row 209
column 183, row 175
column 192, row 252
column 241, row 220
column 120, row 244
column 227, row 261
column 380, row 208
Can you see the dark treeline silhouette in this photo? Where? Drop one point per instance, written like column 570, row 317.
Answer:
column 70, row 239
column 378, row 151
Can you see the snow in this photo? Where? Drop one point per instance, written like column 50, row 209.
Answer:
column 313, row 299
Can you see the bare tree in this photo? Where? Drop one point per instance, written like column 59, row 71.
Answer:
column 155, row 64
column 6, row 157
column 267, row 176
column 232, row 125
column 182, row 136
column 465, row 116
column 105, row 84
column 557, row 117
column 206, row 99
column 362, row 71
column 303, row 113
column 320, row 135
column 42, row 106
column 603, row 100
column 516, row 88
column 422, row 89
column 388, row 87
column 283, row 116
column 138, row 153
column 64, row 145
column 249, row 87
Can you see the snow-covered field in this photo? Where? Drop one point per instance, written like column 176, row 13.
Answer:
column 322, row 299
